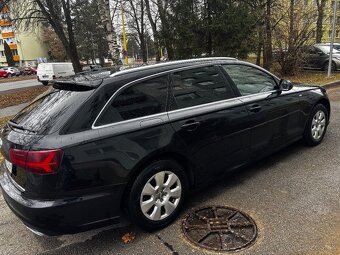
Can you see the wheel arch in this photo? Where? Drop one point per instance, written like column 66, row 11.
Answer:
column 325, row 102
column 188, row 166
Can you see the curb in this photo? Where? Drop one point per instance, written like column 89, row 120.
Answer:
column 331, row 85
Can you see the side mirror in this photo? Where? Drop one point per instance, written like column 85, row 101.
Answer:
column 285, row 85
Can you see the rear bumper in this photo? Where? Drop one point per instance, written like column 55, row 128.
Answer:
column 63, row 216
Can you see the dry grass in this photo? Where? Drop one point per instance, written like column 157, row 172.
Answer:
column 20, row 97
column 312, row 77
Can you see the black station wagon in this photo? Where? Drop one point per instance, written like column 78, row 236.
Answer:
column 92, row 150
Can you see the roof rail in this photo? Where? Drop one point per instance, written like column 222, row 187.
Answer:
column 170, row 63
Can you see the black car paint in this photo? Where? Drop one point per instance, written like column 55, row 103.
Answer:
column 100, row 163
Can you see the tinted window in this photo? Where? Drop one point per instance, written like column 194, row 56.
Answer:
column 199, row 86
column 46, row 112
column 139, row 100
column 250, row 80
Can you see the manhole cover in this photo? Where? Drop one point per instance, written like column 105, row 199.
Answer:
column 220, row 228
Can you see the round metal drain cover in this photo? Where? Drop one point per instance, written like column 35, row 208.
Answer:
column 220, row 228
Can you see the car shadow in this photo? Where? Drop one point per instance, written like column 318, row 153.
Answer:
column 110, row 238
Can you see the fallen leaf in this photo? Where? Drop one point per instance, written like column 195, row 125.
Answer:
column 128, row 237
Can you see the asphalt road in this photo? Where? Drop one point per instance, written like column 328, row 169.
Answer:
column 294, row 197
column 18, row 85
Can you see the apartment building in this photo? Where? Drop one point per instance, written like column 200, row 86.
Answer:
column 27, row 47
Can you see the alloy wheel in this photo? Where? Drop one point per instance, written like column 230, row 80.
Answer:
column 161, row 195
column 318, row 125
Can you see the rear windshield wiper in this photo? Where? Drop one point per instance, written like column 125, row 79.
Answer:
column 17, row 126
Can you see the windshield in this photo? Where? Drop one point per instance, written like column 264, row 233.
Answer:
column 326, row 49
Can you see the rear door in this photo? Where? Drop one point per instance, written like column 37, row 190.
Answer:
column 211, row 122
column 274, row 114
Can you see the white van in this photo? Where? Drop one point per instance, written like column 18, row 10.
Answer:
column 48, row 71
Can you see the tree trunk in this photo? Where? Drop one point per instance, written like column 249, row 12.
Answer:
column 105, row 15
column 319, row 22
column 209, row 36
column 73, row 53
column 154, row 30
column 166, row 29
column 259, row 46
column 267, row 49
column 8, row 54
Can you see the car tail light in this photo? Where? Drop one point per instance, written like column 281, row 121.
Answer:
column 39, row 162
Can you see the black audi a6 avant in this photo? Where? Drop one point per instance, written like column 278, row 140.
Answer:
column 91, row 150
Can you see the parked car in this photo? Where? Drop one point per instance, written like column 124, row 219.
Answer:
column 12, row 71
column 335, row 45
column 4, row 74
column 47, row 72
column 317, row 57
column 33, row 70
column 25, row 70
column 90, row 151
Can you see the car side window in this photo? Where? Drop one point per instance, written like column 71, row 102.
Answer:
column 199, row 86
column 250, row 80
column 139, row 100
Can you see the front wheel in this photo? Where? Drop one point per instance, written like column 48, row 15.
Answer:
column 333, row 66
column 157, row 195
column 316, row 127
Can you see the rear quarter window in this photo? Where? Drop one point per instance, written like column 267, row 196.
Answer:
column 48, row 112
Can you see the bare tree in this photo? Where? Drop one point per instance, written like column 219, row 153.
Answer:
column 136, row 11
column 292, row 34
column 57, row 14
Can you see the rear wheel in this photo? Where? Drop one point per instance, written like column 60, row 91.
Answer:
column 316, row 127
column 157, row 195
column 45, row 83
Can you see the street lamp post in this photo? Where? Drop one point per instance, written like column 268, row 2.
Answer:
column 124, row 36
column 332, row 40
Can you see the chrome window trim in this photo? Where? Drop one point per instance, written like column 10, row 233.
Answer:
column 197, row 109
column 162, row 116
column 192, row 111
column 118, row 91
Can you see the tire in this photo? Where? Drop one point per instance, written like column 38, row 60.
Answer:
column 45, row 83
column 325, row 67
column 161, row 206
column 316, row 127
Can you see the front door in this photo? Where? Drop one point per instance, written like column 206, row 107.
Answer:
column 274, row 114
column 211, row 122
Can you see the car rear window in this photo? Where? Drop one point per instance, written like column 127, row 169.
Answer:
column 49, row 111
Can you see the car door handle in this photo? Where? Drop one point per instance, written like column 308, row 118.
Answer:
column 191, row 125
column 255, row 108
